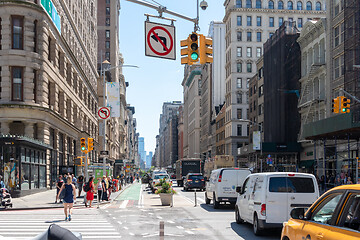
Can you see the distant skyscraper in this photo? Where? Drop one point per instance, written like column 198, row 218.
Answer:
column 148, row 159
column 142, row 151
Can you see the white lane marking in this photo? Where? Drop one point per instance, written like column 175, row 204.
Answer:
column 102, row 237
column 189, row 232
column 159, row 217
column 200, row 199
column 114, row 217
column 170, row 221
column 126, row 228
column 132, row 234
column 180, row 227
column 119, row 222
column 151, row 235
column 141, row 199
column 124, row 203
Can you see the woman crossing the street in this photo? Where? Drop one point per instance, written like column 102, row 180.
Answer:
column 90, row 193
column 69, row 197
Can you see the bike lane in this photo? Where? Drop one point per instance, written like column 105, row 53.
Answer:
column 131, row 193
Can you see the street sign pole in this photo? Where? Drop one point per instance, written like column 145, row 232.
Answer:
column 86, row 167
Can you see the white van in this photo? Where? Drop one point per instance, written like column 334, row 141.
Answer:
column 221, row 185
column 266, row 199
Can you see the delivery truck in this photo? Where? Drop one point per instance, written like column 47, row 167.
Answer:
column 185, row 166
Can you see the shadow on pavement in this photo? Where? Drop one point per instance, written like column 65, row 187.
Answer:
column 222, row 208
column 246, row 232
column 55, row 221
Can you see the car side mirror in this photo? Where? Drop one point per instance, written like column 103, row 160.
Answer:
column 238, row 189
column 298, row 213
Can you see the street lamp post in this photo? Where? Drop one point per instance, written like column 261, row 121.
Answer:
column 102, row 71
column 261, row 130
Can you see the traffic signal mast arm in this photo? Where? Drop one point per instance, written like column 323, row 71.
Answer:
column 351, row 96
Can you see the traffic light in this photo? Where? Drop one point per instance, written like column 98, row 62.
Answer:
column 83, row 144
column 206, row 50
column 335, row 105
column 345, row 105
column 90, row 144
column 194, row 47
column 185, row 51
column 78, row 161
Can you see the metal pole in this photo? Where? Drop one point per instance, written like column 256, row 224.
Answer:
column 195, row 198
column 324, row 166
column 104, row 102
column 357, row 163
column 86, row 167
column 349, row 162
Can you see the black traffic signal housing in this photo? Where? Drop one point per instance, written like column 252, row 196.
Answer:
column 90, row 144
column 335, row 105
column 83, row 144
column 345, row 105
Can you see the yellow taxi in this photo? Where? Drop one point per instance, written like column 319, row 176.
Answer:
column 333, row 216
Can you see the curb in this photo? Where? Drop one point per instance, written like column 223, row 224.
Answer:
column 61, row 206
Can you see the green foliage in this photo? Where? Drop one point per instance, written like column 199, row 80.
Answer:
column 166, row 187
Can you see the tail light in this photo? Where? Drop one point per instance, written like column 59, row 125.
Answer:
column 189, row 180
column 263, row 209
column 154, row 183
column 291, row 174
column 220, row 177
column 202, row 180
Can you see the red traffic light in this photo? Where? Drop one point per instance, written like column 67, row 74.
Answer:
column 194, row 37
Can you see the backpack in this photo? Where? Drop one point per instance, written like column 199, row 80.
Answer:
column 87, row 187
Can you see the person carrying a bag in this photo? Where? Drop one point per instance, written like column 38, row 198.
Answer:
column 69, row 193
column 89, row 191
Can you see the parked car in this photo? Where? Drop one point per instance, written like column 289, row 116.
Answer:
column 220, row 188
column 266, row 199
column 335, row 215
column 157, row 179
column 194, row 181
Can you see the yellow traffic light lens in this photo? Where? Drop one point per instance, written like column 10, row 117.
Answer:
column 194, row 56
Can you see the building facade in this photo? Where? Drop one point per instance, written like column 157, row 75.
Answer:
column 48, row 90
column 249, row 23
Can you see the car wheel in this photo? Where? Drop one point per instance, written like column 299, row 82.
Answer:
column 207, row 200
column 237, row 216
column 256, row 228
column 215, row 203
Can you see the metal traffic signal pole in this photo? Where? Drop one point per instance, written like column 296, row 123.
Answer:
column 86, row 167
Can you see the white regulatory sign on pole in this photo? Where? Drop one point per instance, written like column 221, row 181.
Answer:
column 160, row 40
column 103, row 113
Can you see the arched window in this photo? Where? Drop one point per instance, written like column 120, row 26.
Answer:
column 281, row 5
column 239, row 3
column 271, row 4
column 290, row 5
column 318, row 6
column 258, row 3
column 248, row 4
column 308, row 6
column 299, row 5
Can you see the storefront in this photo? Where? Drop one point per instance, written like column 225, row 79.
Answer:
column 23, row 164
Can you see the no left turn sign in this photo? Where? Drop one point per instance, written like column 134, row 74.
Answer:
column 103, row 113
column 160, row 40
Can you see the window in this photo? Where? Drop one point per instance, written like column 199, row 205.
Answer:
column 239, row 98
column 239, row 113
column 49, row 49
column 300, row 22
column 281, row 21
column 238, row 36
column 290, row 5
column 249, row 52
column 291, row 184
column 35, row 35
column 309, row 6
column 281, row 5
column 107, row 1
column 0, row 35
column 325, row 211
column 107, row 33
column 248, row 4
column 258, row 3
column 271, row 22
column 258, row 36
column 107, row 55
column 239, row 128
column 248, row 37
column 290, row 20
column 249, row 20
column 247, row 83
column 299, row 6
column 17, row 83
column 249, row 67
column 270, row 34
column 239, row 83
column 318, row 6
column 337, row 67
column 107, row 44
column 239, row 67
column 353, row 212
column 107, row 22
column 258, row 21
column 336, row 36
column 239, row 52
column 271, row 4
column 238, row 21
column 261, row 91
column 35, row 85
column 17, row 23
column 107, row 10
column 258, row 52
column 239, row 3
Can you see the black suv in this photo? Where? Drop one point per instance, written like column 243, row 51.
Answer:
column 194, row 180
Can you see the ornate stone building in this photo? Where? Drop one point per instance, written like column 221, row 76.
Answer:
column 48, row 84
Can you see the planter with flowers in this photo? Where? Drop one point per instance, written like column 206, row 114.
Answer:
column 166, row 192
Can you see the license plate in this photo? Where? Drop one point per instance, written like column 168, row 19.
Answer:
column 225, row 199
column 196, row 181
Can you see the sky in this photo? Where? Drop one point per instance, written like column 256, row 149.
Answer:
column 157, row 80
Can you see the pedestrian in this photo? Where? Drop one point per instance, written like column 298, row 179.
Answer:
column 2, row 184
column 348, row 181
column 104, row 189
column 322, row 183
column 59, row 184
column 338, row 181
column 69, row 198
column 99, row 189
column 110, row 187
column 80, row 182
column 90, row 193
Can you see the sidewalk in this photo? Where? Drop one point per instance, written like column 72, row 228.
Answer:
column 46, row 199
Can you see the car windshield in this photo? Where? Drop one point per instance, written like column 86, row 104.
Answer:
column 196, row 177
column 161, row 176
